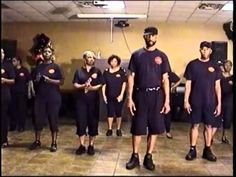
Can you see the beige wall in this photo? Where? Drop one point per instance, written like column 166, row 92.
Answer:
column 179, row 41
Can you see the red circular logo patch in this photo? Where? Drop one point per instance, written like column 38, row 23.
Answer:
column 51, row 71
column 158, row 60
column 211, row 69
column 94, row 75
column 118, row 75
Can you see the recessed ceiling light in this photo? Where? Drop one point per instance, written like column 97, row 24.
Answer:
column 114, row 5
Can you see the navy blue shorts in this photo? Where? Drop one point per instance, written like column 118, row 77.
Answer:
column 147, row 115
column 204, row 114
column 48, row 109
column 114, row 108
column 87, row 116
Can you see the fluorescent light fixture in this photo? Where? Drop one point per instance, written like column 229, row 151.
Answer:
column 114, row 5
column 228, row 6
column 119, row 16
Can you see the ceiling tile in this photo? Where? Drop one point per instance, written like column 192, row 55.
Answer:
column 187, row 4
column 161, row 3
column 61, row 3
column 44, row 6
column 157, row 10
column 138, row 4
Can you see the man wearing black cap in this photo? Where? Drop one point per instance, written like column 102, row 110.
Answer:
column 148, row 96
column 202, row 99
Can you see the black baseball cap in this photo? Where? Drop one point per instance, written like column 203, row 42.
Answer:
column 150, row 30
column 205, row 44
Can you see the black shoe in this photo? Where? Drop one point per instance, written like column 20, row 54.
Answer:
column 118, row 132
column 133, row 162
column 80, row 150
column 169, row 136
column 148, row 162
column 53, row 147
column 4, row 145
column 192, row 154
column 35, row 145
column 11, row 129
column 21, row 129
column 207, row 154
column 225, row 140
column 109, row 132
column 90, row 150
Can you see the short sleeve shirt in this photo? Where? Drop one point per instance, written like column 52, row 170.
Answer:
column 203, row 76
column 21, row 81
column 7, row 71
column 81, row 76
column 227, row 88
column 46, row 90
column 114, row 82
column 148, row 66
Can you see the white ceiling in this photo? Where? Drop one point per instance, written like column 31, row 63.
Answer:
column 160, row 11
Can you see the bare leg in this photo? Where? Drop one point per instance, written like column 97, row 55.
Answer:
column 208, row 135
column 151, row 140
column 118, row 122
column 81, row 140
column 136, row 140
column 214, row 129
column 91, row 140
column 110, row 121
column 194, row 134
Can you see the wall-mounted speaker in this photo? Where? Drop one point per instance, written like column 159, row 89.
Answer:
column 10, row 47
column 228, row 28
column 219, row 51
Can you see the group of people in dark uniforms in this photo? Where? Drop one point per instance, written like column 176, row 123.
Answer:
column 149, row 98
column 148, row 82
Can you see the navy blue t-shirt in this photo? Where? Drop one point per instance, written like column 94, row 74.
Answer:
column 7, row 71
column 46, row 90
column 21, row 81
column 148, row 66
column 203, row 76
column 81, row 76
column 227, row 88
column 114, row 82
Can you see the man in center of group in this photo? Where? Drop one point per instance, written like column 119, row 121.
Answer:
column 148, row 96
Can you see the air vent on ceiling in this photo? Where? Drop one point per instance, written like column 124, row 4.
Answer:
column 3, row 6
column 84, row 4
column 60, row 10
column 210, row 6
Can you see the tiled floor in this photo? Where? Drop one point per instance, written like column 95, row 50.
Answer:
column 112, row 153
